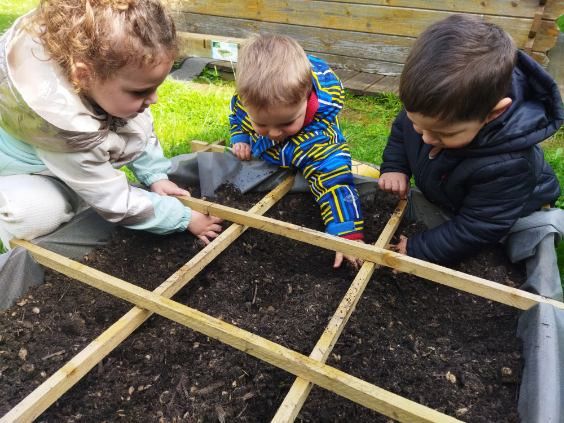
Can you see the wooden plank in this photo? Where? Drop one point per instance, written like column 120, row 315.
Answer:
column 378, row 19
column 358, row 83
column 345, row 74
column 388, row 48
column 472, row 284
column 365, row 169
column 226, row 69
column 297, row 395
column 348, row 386
column 65, row 378
column 361, row 64
column 389, row 84
column 521, row 8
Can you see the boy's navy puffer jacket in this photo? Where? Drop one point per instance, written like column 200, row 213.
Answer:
column 489, row 184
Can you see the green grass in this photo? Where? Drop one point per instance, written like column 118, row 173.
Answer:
column 366, row 121
column 189, row 111
column 10, row 10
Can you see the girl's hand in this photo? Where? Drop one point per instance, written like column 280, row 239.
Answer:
column 204, row 227
column 166, row 187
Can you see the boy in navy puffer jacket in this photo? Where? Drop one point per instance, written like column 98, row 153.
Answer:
column 475, row 111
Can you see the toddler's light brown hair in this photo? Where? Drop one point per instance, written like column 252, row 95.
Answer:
column 272, row 70
column 104, row 34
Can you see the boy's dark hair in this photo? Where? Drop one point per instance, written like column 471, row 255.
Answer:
column 458, row 69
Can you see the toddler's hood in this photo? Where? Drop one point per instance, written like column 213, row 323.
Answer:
column 535, row 114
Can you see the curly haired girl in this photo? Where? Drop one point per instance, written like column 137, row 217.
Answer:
column 76, row 80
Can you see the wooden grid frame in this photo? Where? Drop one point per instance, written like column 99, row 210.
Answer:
column 309, row 370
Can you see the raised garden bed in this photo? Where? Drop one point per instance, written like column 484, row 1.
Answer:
column 451, row 351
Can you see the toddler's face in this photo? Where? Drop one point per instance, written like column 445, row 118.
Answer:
column 445, row 135
column 278, row 123
column 131, row 90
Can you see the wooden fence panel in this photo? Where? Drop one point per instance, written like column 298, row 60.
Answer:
column 368, row 18
column 367, row 35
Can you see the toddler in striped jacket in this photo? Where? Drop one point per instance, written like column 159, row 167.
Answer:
column 285, row 112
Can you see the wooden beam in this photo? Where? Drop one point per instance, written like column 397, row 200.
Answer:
column 66, row 377
column 295, row 399
column 214, row 147
column 482, row 287
column 202, row 146
column 348, row 386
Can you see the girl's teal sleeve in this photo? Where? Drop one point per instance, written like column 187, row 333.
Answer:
column 151, row 166
column 170, row 216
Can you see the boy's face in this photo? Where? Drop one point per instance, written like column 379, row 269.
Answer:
column 278, row 123
column 445, row 135
column 131, row 90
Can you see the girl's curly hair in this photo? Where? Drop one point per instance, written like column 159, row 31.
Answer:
column 104, row 34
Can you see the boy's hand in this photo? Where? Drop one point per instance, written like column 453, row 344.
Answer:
column 242, row 151
column 394, row 182
column 353, row 261
column 401, row 246
column 166, row 187
column 204, row 227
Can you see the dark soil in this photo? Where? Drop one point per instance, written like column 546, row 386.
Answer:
column 429, row 343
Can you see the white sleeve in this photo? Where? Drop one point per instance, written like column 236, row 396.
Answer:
column 91, row 175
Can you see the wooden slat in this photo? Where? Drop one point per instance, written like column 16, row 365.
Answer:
column 295, row 399
column 360, row 82
column 202, row 146
column 511, row 8
column 472, row 284
column 389, row 84
column 520, row 8
column 198, row 45
column 348, row 386
column 388, row 48
column 65, row 378
column 377, row 19
column 345, row 74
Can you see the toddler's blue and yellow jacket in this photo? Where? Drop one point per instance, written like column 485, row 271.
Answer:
column 318, row 150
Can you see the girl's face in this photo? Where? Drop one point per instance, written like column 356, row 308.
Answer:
column 131, row 90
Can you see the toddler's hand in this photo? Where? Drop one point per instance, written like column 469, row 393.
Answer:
column 401, row 246
column 166, row 187
column 353, row 261
column 242, row 151
column 394, row 182
column 204, row 227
